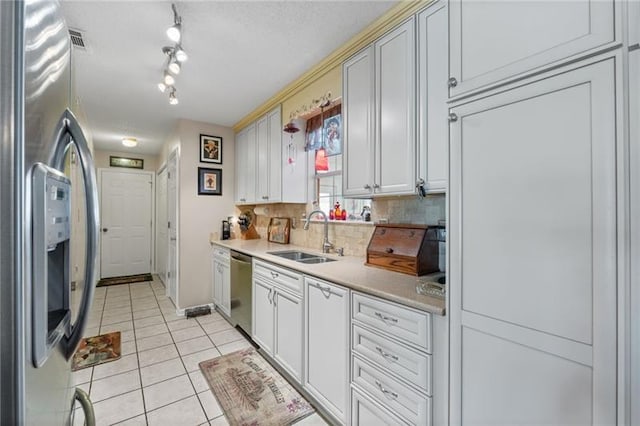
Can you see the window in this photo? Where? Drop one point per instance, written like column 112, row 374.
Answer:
column 324, row 138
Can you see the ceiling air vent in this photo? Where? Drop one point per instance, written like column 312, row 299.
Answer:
column 77, row 39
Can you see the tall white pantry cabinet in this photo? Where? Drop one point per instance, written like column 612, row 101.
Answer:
column 537, row 201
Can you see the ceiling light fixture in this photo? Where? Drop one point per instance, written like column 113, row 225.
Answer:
column 175, row 56
column 129, row 142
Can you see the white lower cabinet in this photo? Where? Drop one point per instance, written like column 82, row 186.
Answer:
column 221, row 274
column 277, row 317
column 326, row 348
column 391, row 362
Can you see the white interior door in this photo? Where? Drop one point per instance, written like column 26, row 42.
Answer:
column 126, row 207
column 172, row 221
column 161, row 225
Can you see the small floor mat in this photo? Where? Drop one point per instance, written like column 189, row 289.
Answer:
column 97, row 350
column 128, row 279
column 251, row 392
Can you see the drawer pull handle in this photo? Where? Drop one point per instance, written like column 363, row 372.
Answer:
column 269, row 296
column 274, row 274
column 386, row 318
column 327, row 290
column 385, row 354
column 387, row 392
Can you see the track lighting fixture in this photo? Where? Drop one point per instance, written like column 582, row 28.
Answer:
column 175, row 56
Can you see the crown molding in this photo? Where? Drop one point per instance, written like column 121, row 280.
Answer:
column 396, row 15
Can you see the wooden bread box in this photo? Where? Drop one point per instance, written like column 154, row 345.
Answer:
column 410, row 249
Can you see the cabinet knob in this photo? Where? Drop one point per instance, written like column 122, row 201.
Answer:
column 452, row 117
column 389, row 250
column 376, row 186
column 452, row 82
column 265, row 197
column 367, row 186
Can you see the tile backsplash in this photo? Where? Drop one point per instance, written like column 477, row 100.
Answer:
column 352, row 236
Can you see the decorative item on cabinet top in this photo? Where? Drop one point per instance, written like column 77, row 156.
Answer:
column 410, row 249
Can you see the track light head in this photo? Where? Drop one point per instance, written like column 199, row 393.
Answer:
column 180, row 54
column 168, row 79
column 174, row 32
column 173, row 100
column 174, row 67
column 162, row 87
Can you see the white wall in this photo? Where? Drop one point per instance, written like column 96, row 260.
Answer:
column 199, row 214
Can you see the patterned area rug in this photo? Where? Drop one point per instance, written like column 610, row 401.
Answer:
column 251, row 392
column 97, row 350
column 128, row 279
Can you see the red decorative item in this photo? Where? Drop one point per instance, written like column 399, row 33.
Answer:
column 322, row 162
column 331, row 215
column 344, row 215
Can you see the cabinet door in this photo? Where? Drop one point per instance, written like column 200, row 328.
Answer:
column 241, row 164
column 327, row 345
column 366, row 412
column 395, row 74
column 226, row 288
column 634, row 154
column 217, row 282
column 263, row 331
column 274, row 120
column 357, row 121
column 262, row 143
column 249, row 169
column 533, row 252
column 494, row 41
column 288, row 323
column 433, row 71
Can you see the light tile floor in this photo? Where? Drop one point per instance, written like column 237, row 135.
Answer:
column 157, row 380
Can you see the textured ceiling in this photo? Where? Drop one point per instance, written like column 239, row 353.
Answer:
column 240, row 54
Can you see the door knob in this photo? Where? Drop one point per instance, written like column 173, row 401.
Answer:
column 105, row 229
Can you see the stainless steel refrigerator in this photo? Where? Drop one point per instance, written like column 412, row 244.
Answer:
column 40, row 327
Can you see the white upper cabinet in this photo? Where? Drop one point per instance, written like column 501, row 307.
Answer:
column 379, row 86
column 395, row 74
column 260, row 165
column 269, row 149
column 357, row 112
column 246, row 165
column 433, row 71
column 492, row 41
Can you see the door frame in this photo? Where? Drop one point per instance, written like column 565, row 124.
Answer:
column 162, row 169
column 152, row 174
column 174, row 156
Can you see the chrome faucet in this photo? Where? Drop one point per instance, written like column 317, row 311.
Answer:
column 326, row 245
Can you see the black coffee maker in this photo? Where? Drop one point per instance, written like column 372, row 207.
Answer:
column 226, row 229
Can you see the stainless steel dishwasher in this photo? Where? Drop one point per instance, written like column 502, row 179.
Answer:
column 241, row 291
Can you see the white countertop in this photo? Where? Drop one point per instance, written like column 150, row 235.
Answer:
column 349, row 271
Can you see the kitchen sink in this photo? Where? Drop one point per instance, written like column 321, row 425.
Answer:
column 300, row 256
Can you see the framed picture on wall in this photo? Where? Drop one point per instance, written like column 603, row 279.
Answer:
column 209, row 181
column 210, row 149
column 278, row 231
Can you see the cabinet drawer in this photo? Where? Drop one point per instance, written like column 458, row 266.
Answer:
column 408, row 364
column 398, row 321
column 280, row 276
column 367, row 412
column 412, row 406
column 221, row 253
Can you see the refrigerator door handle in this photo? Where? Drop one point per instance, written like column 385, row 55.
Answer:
column 87, row 407
column 73, row 132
